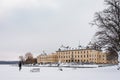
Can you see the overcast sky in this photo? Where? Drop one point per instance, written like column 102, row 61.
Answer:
column 44, row 25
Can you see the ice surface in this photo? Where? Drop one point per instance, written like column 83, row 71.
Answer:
column 8, row 72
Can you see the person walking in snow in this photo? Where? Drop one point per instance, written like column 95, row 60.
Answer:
column 20, row 65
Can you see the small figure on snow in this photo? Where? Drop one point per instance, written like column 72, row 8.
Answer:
column 58, row 64
column 20, row 65
column 60, row 69
column 118, row 68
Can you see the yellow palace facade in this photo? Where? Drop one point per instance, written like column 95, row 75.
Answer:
column 76, row 56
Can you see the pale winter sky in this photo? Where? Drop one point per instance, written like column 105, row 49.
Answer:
column 44, row 25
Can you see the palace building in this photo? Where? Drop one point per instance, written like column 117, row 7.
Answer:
column 82, row 56
column 47, row 58
column 76, row 56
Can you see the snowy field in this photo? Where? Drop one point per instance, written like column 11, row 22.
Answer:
column 8, row 72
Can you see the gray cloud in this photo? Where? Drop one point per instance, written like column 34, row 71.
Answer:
column 37, row 25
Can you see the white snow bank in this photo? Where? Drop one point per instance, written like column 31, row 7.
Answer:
column 53, row 73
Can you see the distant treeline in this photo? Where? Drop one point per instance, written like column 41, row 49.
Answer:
column 8, row 62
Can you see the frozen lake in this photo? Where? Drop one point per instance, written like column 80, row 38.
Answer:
column 8, row 72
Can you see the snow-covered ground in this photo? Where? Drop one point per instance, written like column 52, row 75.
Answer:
column 8, row 72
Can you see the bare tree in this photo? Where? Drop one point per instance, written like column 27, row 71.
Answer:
column 93, row 45
column 108, row 23
column 29, row 59
column 28, row 55
column 21, row 58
